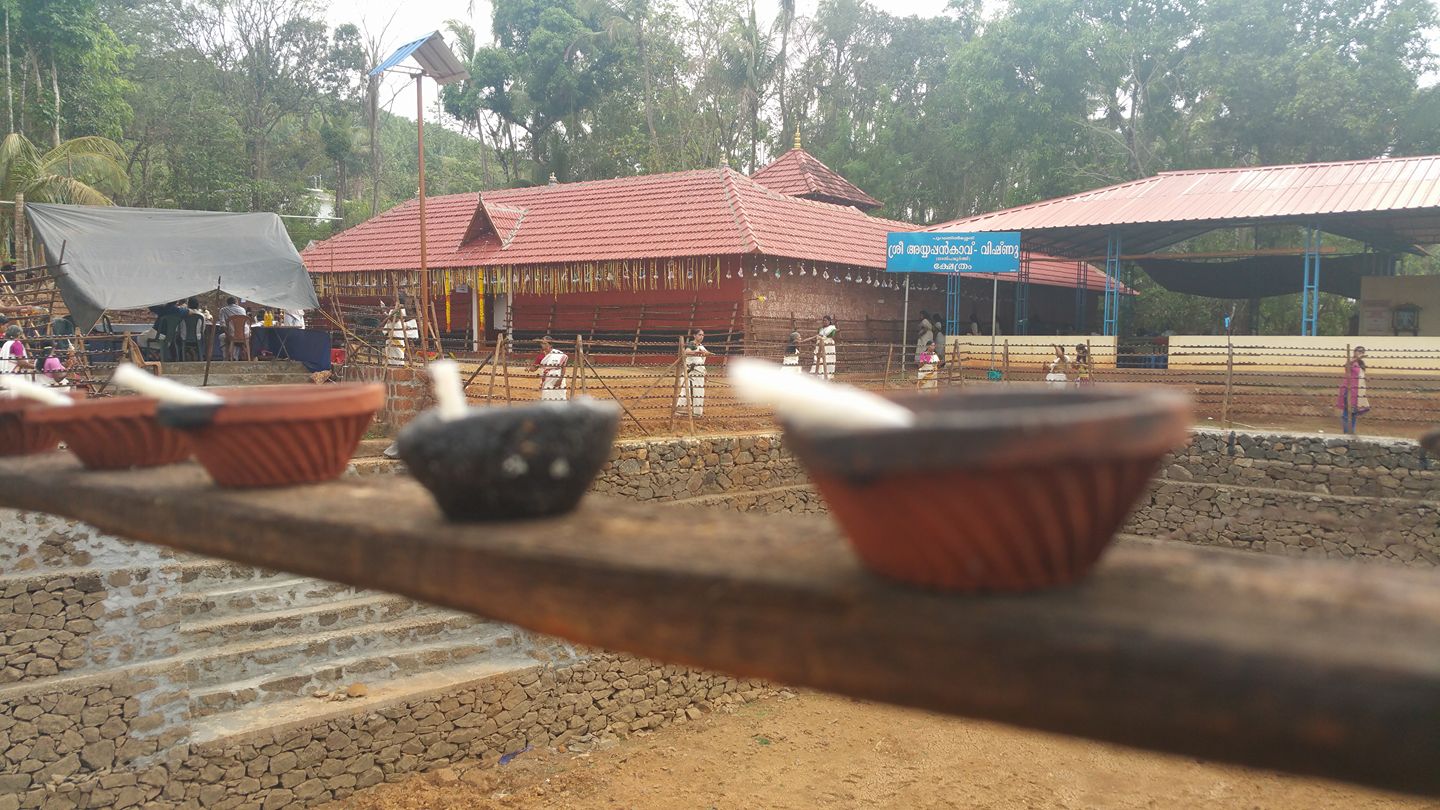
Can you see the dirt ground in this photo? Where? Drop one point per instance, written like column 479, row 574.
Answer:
column 814, row 750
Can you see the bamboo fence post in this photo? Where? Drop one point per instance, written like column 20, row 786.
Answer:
column 635, row 346
column 1229, row 378
column 505, row 373
column 1005, row 362
column 679, row 373
column 494, row 367
column 889, row 358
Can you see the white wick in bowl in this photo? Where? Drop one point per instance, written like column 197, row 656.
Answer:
column 130, row 376
column 449, row 391
column 21, row 387
column 807, row 400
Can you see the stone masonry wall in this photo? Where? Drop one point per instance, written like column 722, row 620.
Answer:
column 1326, row 497
column 748, row 473
column 77, row 747
column 96, row 703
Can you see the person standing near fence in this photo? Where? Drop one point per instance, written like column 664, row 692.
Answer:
column 1352, row 401
column 550, row 364
column 927, row 334
column 791, row 363
column 692, row 385
column 824, row 358
column 1082, row 365
column 939, row 341
column 1058, row 376
column 928, row 375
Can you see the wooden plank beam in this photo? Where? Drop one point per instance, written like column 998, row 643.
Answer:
column 1323, row 668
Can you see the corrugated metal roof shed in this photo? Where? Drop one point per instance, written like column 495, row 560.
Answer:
column 1392, row 203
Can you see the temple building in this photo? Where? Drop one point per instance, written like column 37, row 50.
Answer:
column 661, row 254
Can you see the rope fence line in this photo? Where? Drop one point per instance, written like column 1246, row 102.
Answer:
column 1255, row 387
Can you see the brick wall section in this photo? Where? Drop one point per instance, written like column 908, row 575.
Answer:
column 407, row 392
column 807, row 299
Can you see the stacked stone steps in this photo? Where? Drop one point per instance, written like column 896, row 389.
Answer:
column 248, row 626
column 273, row 593
column 245, row 673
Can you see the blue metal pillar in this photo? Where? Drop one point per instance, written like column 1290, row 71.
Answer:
column 952, row 304
column 1082, row 295
column 1112, row 284
column 1310, row 293
column 1022, row 295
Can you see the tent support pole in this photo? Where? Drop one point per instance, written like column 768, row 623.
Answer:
column 424, row 264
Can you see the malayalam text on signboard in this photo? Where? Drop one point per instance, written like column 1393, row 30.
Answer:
column 930, row 252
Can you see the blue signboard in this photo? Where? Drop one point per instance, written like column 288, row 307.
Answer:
column 931, row 252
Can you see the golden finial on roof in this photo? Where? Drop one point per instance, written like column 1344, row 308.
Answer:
column 797, row 137
column 724, row 161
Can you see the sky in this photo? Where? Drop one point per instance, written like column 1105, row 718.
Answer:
column 419, row 17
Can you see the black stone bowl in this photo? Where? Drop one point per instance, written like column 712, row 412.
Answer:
column 508, row 463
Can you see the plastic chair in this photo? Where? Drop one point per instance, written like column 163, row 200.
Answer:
column 237, row 335
column 192, row 337
column 167, row 334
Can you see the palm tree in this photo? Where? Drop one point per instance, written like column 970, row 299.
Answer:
column 80, row 171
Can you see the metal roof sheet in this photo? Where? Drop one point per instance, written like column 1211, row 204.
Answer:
column 1390, row 202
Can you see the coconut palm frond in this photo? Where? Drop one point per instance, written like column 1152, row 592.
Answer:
column 87, row 145
column 18, row 162
column 57, row 188
column 98, row 170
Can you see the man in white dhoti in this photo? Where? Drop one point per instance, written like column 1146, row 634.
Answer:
column 401, row 333
column 550, row 364
column 791, row 363
column 692, row 380
column 927, row 334
column 823, row 364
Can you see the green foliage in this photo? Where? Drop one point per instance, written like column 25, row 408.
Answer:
column 247, row 104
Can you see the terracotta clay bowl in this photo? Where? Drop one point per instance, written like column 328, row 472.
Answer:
column 1431, row 441
column 277, row 435
column 19, row 434
column 115, row 433
column 994, row 491
column 508, row 463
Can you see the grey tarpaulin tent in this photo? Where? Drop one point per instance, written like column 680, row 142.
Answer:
column 124, row 258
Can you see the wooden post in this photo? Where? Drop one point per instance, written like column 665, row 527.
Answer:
column 1005, row 362
column 505, row 372
column 575, row 370
column 1229, row 378
column 22, row 236
column 679, row 376
column 889, row 358
column 635, row 346
column 494, row 367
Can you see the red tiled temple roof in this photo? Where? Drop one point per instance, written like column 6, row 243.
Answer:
column 711, row 212
column 798, row 173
